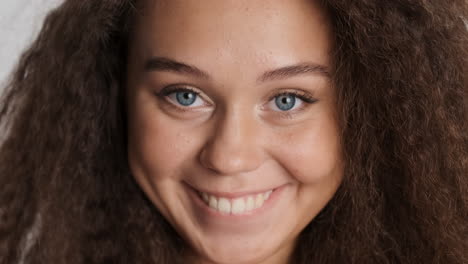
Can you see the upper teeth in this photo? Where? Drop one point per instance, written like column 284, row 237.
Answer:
column 238, row 205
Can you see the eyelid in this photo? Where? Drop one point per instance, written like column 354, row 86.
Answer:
column 303, row 95
column 176, row 88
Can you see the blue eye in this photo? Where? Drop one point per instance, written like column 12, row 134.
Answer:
column 183, row 97
column 186, row 98
column 285, row 102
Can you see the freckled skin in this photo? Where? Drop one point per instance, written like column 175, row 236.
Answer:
column 237, row 140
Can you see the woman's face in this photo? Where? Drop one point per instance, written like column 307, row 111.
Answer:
column 232, row 124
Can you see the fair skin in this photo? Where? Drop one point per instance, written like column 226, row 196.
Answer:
column 232, row 128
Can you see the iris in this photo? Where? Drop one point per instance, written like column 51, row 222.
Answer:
column 285, row 102
column 186, row 98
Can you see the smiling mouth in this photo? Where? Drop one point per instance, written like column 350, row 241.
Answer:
column 235, row 206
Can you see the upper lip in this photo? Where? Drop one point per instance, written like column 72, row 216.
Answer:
column 232, row 194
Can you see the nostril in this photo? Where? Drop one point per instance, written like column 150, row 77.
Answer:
column 205, row 161
column 229, row 152
column 230, row 162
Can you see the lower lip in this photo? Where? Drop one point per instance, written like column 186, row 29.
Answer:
column 208, row 211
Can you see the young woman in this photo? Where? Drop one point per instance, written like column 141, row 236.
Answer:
column 190, row 131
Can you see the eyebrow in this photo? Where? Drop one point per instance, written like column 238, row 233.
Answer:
column 293, row 70
column 170, row 65
column 166, row 64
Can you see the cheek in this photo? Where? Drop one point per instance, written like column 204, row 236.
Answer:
column 157, row 146
column 311, row 154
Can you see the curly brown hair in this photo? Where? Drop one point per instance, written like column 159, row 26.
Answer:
column 401, row 72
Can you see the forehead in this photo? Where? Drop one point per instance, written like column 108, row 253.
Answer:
column 254, row 32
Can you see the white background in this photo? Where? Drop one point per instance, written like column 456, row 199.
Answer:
column 20, row 21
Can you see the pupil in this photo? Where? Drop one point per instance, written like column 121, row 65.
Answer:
column 285, row 102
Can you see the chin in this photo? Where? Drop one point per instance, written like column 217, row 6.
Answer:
column 235, row 257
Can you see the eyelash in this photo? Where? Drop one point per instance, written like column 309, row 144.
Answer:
column 306, row 98
column 173, row 89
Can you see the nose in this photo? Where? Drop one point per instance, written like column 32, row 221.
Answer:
column 234, row 146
